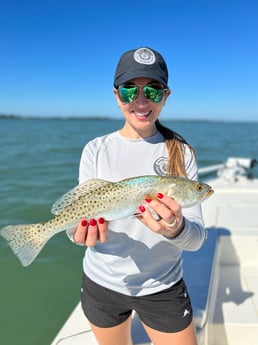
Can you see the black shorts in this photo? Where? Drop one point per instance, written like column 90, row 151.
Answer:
column 167, row 311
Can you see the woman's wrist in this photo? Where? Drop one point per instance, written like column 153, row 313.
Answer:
column 178, row 232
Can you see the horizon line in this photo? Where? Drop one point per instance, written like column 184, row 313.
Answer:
column 110, row 118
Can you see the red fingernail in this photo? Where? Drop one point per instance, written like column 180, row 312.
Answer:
column 101, row 220
column 84, row 222
column 142, row 208
column 160, row 195
column 93, row 222
column 148, row 200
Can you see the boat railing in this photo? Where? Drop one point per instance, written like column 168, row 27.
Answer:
column 233, row 167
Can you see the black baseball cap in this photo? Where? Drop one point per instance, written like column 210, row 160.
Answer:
column 141, row 62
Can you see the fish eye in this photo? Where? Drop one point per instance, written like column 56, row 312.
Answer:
column 198, row 187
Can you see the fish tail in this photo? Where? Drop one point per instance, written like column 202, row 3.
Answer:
column 26, row 241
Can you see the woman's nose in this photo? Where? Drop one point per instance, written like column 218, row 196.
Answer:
column 141, row 99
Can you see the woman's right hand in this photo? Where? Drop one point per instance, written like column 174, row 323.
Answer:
column 90, row 232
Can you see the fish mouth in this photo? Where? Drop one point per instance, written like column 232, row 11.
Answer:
column 208, row 194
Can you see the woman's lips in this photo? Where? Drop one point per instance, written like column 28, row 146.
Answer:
column 141, row 114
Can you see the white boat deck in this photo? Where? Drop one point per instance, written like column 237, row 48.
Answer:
column 233, row 310
column 222, row 277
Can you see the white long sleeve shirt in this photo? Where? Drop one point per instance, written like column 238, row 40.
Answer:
column 136, row 261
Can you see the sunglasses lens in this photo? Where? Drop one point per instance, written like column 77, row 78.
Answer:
column 128, row 94
column 153, row 94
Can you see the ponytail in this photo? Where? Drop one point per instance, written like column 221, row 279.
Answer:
column 175, row 146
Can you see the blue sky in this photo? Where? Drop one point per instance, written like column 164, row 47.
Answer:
column 58, row 57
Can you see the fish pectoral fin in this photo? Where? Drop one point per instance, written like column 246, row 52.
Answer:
column 75, row 193
column 138, row 214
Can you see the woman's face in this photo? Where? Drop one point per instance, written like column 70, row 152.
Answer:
column 141, row 113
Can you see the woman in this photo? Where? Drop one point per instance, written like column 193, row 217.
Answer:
column 135, row 263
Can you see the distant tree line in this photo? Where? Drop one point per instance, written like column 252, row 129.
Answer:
column 9, row 116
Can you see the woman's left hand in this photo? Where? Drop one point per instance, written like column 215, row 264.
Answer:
column 171, row 220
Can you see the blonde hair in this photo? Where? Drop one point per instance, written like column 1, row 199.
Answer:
column 175, row 146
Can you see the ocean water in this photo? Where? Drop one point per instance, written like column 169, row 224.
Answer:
column 38, row 163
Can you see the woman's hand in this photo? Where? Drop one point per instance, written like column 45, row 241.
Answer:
column 171, row 220
column 88, row 233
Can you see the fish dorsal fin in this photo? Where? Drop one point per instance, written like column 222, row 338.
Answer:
column 75, row 193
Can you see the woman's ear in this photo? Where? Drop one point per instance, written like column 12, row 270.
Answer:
column 167, row 94
column 115, row 92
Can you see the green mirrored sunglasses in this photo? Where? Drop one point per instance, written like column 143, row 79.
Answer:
column 128, row 93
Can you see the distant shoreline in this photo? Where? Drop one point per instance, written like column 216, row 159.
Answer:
column 109, row 118
column 55, row 117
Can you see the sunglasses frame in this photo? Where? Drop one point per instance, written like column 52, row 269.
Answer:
column 145, row 92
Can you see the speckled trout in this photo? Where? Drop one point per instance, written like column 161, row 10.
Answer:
column 97, row 198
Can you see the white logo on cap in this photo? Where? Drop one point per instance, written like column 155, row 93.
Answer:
column 144, row 56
